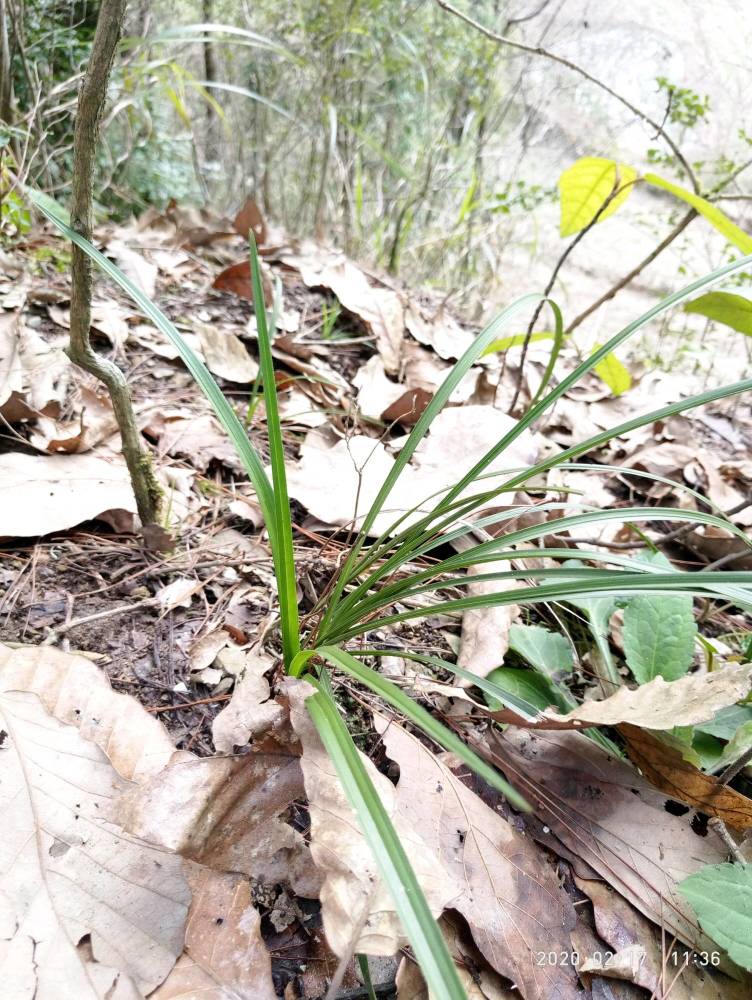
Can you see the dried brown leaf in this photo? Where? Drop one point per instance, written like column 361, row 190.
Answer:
column 357, row 908
column 505, row 889
column 621, row 926
column 251, row 711
column 381, row 309
column 45, row 493
column 662, row 704
column 666, row 768
column 87, row 912
column 225, row 957
column 609, row 816
column 225, row 354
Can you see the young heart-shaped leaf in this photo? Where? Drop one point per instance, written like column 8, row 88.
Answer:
column 586, row 186
column 721, row 896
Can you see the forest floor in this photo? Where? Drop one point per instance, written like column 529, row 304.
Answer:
column 183, row 617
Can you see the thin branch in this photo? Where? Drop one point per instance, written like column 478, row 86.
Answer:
column 90, row 104
column 552, row 281
column 538, row 50
column 628, row 278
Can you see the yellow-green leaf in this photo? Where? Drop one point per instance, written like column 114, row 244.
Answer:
column 614, row 374
column 586, row 185
column 515, row 340
column 723, row 307
column 711, row 212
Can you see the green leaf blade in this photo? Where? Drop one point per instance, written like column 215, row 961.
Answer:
column 721, row 896
column 409, row 901
column 718, row 219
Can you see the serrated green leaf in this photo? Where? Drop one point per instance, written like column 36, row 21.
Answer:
column 659, row 633
column 721, row 896
column 586, row 185
column 724, row 307
column 548, row 652
column 614, row 374
column 718, row 219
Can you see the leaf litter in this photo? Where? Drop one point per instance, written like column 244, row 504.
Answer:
column 242, row 803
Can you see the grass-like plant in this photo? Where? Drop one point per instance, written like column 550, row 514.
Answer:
column 379, row 573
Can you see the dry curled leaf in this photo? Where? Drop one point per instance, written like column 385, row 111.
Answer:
column 251, row 710
column 621, row 926
column 664, row 767
column 381, row 309
column 77, row 692
column 357, row 908
column 662, row 704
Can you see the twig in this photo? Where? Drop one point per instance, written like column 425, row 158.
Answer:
column 628, row 278
column 538, row 50
column 55, row 633
column 156, row 709
column 90, row 105
column 552, row 281
column 717, row 824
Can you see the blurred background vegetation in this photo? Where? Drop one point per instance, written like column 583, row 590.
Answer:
column 396, row 131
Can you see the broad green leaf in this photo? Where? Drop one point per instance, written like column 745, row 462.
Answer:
column 548, row 652
column 711, row 212
column 659, row 633
column 586, row 185
column 614, row 374
column 721, row 896
column 409, row 902
column 724, row 307
column 526, row 684
column 726, row 723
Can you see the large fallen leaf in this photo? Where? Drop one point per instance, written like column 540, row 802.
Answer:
column 45, row 493
column 441, row 331
column 381, row 309
column 332, row 481
column 621, row 926
column 611, row 818
column 505, row 888
column 77, row 692
column 228, row 813
column 87, row 912
column 357, row 908
column 225, row 957
column 200, row 439
column 661, row 704
column 96, row 422
column 665, row 767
